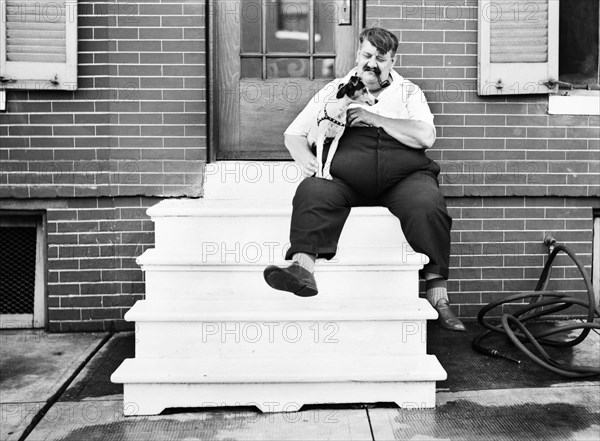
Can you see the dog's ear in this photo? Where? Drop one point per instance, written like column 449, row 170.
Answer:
column 354, row 80
column 342, row 89
column 354, row 83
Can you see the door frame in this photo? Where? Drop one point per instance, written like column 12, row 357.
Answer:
column 212, row 95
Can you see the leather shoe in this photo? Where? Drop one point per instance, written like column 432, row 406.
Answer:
column 294, row 279
column 447, row 320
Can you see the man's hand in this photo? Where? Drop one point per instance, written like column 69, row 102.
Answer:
column 359, row 117
column 412, row 133
column 300, row 151
column 307, row 161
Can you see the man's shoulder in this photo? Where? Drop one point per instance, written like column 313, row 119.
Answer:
column 404, row 82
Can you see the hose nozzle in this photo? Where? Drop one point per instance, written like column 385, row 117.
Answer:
column 549, row 241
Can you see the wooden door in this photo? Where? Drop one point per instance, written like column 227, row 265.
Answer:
column 271, row 57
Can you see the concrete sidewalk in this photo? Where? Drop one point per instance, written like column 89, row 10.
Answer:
column 57, row 387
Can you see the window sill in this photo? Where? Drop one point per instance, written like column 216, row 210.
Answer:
column 577, row 102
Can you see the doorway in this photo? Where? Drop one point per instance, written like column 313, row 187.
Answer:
column 269, row 58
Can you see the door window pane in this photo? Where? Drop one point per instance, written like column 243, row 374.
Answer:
column 287, row 67
column 325, row 22
column 288, row 37
column 251, row 67
column 287, row 25
column 324, row 68
column 251, row 18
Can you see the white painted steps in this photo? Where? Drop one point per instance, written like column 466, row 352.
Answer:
column 291, row 308
column 260, row 224
column 211, row 332
column 280, row 328
column 277, row 384
column 355, row 275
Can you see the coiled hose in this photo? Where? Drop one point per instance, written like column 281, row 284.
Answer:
column 542, row 302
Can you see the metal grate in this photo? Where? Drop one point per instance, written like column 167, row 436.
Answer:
column 17, row 269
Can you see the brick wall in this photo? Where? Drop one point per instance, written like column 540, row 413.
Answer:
column 511, row 172
column 498, row 250
column 92, row 275
column 94, row 159
column 136, row 125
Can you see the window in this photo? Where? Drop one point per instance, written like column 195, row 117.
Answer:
column 518, row 47
column 38, row 44
column 298, row 42
column 578, row 46
column 541, row 47
column 579, row 54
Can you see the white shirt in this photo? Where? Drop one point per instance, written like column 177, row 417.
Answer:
column 402, row 99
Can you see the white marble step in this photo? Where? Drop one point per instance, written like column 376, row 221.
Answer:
column 277, row 384
column 286, row 328
column 230, row 227
column 357, row 257
column 369, row 274
column 289, row 308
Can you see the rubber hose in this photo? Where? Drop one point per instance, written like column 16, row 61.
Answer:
column 541, row 303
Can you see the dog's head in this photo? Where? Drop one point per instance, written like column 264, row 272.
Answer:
column 356, row 91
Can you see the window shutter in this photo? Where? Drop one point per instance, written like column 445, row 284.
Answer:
column 518, row 47
column 38, row 44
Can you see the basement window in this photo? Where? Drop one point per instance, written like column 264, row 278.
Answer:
column 22, row 280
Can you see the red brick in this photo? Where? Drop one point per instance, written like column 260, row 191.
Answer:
column 81, row 302
column 101, row 313
column 461, row 36
column 63, row 314
column 506, row 108
column 544, row 132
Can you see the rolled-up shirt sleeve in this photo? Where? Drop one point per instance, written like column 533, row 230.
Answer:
column 301, row 125
column 416, row 105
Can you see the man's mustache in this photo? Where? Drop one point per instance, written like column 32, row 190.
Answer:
column 375, row 70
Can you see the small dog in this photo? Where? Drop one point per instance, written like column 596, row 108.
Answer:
column 331, row 120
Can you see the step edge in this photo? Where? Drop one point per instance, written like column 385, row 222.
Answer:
column 145, row 317
column 152, row 370
column 392, row 257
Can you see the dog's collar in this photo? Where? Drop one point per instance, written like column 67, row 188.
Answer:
column 329, row 118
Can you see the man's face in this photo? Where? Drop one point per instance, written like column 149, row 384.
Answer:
column 369, row 61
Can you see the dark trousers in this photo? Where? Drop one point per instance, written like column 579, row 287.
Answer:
column 370, row 168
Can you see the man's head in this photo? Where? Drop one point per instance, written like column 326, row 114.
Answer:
column 376, row 55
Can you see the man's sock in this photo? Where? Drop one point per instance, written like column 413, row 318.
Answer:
column 437, row 289
column 306, row 261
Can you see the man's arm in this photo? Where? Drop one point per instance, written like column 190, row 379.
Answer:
column 299, row 148
column 412, row 133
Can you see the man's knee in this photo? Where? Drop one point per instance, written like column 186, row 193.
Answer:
column 426, row 208
column 316, row 189
column 308, row 185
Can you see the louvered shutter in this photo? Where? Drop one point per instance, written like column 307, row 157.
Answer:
column 38, row 44
column 518, row 46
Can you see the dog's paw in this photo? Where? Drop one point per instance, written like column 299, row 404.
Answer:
column 327, row 176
